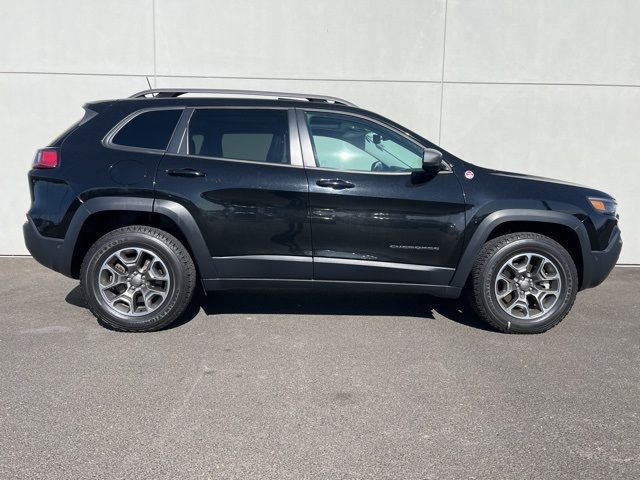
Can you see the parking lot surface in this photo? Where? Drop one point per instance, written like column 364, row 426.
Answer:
column 296, row 384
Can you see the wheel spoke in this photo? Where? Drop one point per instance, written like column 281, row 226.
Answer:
column 157, row 287
column 519, row 305
column 520, row 263
column 505, row 293
column 510, row 290
column 546, row 300
column 152, row 296
column 536, row 301
column 549, row 286
column 129, row 257
column 126, row 297
column 110, row 277
column 548, row 271
column 157, row 270
column 536, row 264
column 506, row 276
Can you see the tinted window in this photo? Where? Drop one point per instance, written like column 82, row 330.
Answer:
column 241, row 134
column 344, row 142
column 149, row 130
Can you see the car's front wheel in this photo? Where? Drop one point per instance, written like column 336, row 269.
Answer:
column 523, row 283
column 137, row 278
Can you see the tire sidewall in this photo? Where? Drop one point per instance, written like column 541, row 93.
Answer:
column 566, row 270
column 106, row 247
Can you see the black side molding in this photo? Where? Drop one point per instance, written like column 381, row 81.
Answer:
column 443, row 291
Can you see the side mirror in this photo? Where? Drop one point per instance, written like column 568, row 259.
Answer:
column 431, row 160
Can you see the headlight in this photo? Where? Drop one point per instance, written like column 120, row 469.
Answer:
column 603, row 205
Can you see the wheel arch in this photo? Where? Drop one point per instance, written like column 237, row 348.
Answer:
column 561, row 227
column 101, row 215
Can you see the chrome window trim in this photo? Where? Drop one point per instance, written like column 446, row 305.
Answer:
column 235, row 160
column 295, row 149
column 310, row 158
column 177, row 143
column 407, row 172
column 107, row 140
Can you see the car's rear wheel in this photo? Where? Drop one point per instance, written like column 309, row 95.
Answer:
column 523, row 283
column 137, row 278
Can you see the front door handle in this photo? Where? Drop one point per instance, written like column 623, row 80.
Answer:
column 185, row 172
column 335, row 183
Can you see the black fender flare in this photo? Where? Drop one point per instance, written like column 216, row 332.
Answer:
column 519, row 215
column 173, row 210
column 189, row 228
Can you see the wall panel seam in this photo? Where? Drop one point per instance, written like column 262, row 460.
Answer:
column 444, row 51
column 363, row 80
column 155, row 40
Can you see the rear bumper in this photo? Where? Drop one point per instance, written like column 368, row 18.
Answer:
column 598, row 264
column 47, row 251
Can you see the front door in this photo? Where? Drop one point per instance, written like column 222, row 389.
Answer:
column 375, row 215
column 237, row 174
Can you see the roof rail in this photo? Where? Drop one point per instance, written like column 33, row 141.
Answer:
column 176, row 92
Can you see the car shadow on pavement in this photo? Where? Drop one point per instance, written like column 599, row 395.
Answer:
column 309, row 302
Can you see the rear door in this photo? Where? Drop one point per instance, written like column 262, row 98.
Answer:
column 239, row 172
column 375, row 214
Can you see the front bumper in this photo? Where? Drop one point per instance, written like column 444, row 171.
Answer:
column 48, row 251
column 598, row 264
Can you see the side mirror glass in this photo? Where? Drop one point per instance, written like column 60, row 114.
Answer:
column 431, row 160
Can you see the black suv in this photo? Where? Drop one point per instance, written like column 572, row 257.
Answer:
column 147, row 196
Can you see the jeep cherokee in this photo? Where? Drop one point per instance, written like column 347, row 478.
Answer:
column 146, row 196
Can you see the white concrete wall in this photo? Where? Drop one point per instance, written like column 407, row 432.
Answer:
column 549, row 87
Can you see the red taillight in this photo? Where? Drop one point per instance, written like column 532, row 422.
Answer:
column 46, row 158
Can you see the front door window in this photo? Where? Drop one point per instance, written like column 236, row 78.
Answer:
column 343, row 142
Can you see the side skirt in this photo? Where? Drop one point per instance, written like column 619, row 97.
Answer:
column 443, row 291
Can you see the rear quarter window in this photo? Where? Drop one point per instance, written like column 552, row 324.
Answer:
column 152, row 129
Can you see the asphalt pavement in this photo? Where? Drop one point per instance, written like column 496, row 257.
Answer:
column 297, row 385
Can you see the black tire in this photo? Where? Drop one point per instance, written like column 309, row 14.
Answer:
column 181, row 275
column 483, row 294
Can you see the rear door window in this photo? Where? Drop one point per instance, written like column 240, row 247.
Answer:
column 152, row 129
column 258, row 135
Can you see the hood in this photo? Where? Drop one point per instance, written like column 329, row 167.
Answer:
column 532, row 184
column 535, row 178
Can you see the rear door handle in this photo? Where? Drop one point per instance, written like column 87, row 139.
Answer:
column 185, row 172
column 335, row 183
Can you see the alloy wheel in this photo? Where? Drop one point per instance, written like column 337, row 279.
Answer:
column 528, row 285
column 134, row 281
